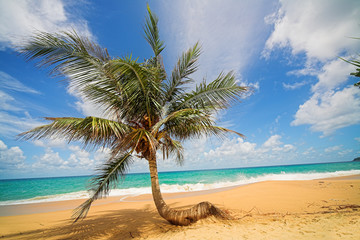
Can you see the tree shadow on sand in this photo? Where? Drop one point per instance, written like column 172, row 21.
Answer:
column 117, row 224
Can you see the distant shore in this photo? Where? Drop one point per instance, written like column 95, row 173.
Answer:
column 310, row 209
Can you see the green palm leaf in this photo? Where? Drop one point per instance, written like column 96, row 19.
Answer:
column 171, row 147
column 217, row 95
column 66, row 54
column 141, row 91
column 89, row 130
column 152, row 35
column 191, row 123
column 101, row 184
column 185, row 66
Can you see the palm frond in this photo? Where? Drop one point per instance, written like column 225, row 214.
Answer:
column 182, row 113
column 65, row 53
column 81, row 61
column 185, row 66
column 191, row 123
column 151, row 31
column 139, row 139
column 101, row 184
column 89, row 130
column 217, row 95
column 171, row 147
column 140, row 87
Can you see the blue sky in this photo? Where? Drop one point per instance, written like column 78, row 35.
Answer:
column 303, row 109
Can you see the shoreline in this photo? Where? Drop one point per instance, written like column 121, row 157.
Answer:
column 53, row 206
column 304, row 209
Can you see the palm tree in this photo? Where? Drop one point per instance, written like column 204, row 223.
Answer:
column 146, row 110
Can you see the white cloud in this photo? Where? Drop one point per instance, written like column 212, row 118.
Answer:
column 333, row 148
column 13, row 118
column 295, row 85
column 231, row 32
column 330, row 111
column 6, row 102
column 11, row 158
column 345, row 152
column 273, row 141
column 233, row 147
column 88, row 108
column 101, row 155
column 320, row 29
column 79, row 159
column 50, row 160
column 11, row 125
column 52, row 142
column 11, row 83
column 85, row 106
column 332, row 75
column 20, row 18
column 238, row 151
column 310, row 151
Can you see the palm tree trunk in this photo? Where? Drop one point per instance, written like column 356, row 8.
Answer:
column 180, row 217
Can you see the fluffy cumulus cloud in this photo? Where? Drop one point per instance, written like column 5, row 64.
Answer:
column 231, row 32
column 321, row 30
column 52, row 142
column 330, row 111
column 72, row 160
column 20, row 18
column 79, row 159
column 332, row 75
column 84, row 106
column 50, row 160
column 331, row 107
column 273, row 141
column 11, row 158
column 240, row 152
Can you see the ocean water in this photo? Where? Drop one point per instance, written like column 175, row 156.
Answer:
column 19, row 191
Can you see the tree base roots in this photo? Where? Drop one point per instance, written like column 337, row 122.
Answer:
column 195, row 213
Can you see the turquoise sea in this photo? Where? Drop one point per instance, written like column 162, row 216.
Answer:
column 18, row 191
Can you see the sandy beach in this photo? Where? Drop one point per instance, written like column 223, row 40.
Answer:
column 314, row 209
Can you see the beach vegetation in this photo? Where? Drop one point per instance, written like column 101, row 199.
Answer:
column 146, row 110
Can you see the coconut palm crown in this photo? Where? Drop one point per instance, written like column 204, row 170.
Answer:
column 147, row 111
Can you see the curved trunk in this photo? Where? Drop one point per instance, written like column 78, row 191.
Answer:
column 180, row 217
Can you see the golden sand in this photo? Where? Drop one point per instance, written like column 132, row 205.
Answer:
column 316, row 209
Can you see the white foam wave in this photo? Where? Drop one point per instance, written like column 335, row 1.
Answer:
column 48, row 198
column 173, row 188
